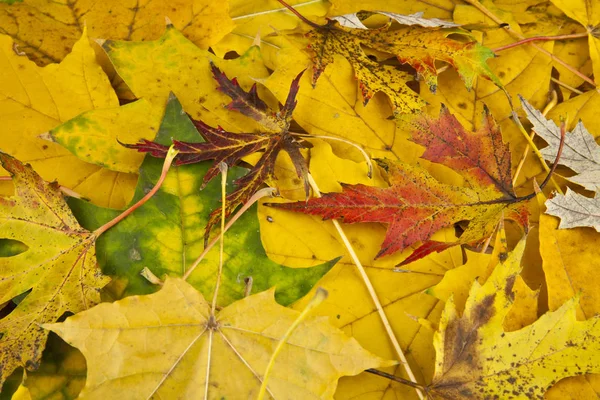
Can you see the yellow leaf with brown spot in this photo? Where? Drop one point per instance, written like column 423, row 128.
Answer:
column 477, row 358
column 45, row 31
column 189, row 351
column 59, row 268
column 36, row 100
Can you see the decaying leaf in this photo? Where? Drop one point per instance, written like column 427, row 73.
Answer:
column 230, row 148
column 476, row 358
column 188, row 352
column 581, row 153
column 59, row 268
column 575, row 210
column 416, row 46
column 416, row 205
column 165, row 234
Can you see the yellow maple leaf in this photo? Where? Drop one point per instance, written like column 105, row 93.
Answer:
column 45, row 31
column 570, row 270
column 168, row 344
column 59, row 266
column 36, row 100
column 588, row 14
column 258, row 19
column 476, row 357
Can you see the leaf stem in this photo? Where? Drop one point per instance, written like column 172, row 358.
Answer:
column 223, row 169
column 167, row 164
column 302, row 17
column 529, row 139
column 488, row 13
column 318, row 298
column 547, row 109
column 540, row 39
column 568, row 87
column 372, row 292
column 351, row 143
column 257, row 196
column 395, row 378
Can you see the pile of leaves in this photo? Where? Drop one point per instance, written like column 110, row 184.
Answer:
column 433, row 219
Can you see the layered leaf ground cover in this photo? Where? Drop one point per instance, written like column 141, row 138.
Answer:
column 303, row 199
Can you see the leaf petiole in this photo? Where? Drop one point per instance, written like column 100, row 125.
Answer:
column 302, row 17
column 166, row 166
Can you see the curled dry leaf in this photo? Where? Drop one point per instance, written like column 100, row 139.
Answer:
column 208, row 356
column 58, row 269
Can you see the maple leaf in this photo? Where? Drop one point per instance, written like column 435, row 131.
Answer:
column 234, row 346
column 587, row 13
column 165, row 234
column 416, row 46
column 477, row 358
column 416, row 205
column 230, row 148
column 59, row 267
column 575, row 210
column 46, row 31
column 580, row 153
column 38, row 99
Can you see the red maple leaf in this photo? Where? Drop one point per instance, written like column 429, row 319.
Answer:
column 228, row 147
column 416, row 205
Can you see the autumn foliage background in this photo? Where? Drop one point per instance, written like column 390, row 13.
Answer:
column 460, row 159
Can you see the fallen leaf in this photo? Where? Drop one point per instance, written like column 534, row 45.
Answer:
column 416, row 46
column 94, row 136
column 587, row 14
column 416, row 205
column 476, row 357
column 38, row 99
column 58, row 270
column 174, row 64
column 165, row 234
column 581, row 153
column 230, row 148
column 207, row 356
column 570, row 270
column 575, row 210
column 522, row 70
column 258, row 19
column 354, row 20
column 46, row 31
